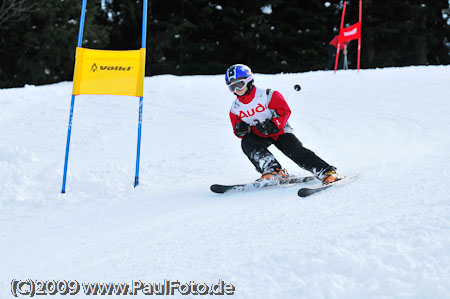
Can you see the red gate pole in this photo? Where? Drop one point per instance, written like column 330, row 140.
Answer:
column 360, row 33
column 339, row 39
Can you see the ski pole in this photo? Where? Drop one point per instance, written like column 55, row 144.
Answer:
column 297, row 87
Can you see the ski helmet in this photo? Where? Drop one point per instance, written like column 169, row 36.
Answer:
column 238, row 76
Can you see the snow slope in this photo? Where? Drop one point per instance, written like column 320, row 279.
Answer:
column 386, row 235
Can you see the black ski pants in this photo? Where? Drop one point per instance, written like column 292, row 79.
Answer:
column 255, row 147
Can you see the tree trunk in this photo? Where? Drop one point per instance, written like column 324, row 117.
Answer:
column 420, row 42
column 367, row 29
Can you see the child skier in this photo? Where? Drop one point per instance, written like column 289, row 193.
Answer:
column 260, row 118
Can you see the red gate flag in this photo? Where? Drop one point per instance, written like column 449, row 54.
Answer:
column 350, row 33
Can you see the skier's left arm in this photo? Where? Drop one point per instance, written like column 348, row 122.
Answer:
column 280, row 106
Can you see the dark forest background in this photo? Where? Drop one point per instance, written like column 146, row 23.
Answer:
column 38, row 37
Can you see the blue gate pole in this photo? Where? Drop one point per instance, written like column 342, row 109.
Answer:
column 138, row 154
column 72, row 102
column 141, row 99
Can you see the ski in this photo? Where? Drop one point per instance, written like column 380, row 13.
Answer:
column 216, row 188
column 304, row 192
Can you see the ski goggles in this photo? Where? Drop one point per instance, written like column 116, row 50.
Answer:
column 239, row 84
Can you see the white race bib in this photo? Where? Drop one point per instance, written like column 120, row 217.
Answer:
column 255, row 111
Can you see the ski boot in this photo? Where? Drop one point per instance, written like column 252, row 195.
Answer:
column 330, row 176
column 274, row 174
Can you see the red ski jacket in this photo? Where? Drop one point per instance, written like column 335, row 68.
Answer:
column 277, row 105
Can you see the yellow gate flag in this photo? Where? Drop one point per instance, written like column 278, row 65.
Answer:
column 109, row 72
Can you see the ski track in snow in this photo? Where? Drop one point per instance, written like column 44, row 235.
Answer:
column 385, row 235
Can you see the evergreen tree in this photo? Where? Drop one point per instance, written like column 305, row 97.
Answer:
column 438, row 32
column 124, row 21
column 303, row 31
column 400, row 33
column 37, row 41
column 40, row 49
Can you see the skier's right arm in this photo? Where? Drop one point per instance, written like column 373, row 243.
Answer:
column 240, row 128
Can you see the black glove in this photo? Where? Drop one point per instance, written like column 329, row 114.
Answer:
column 267, row 127
column 241, row 129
